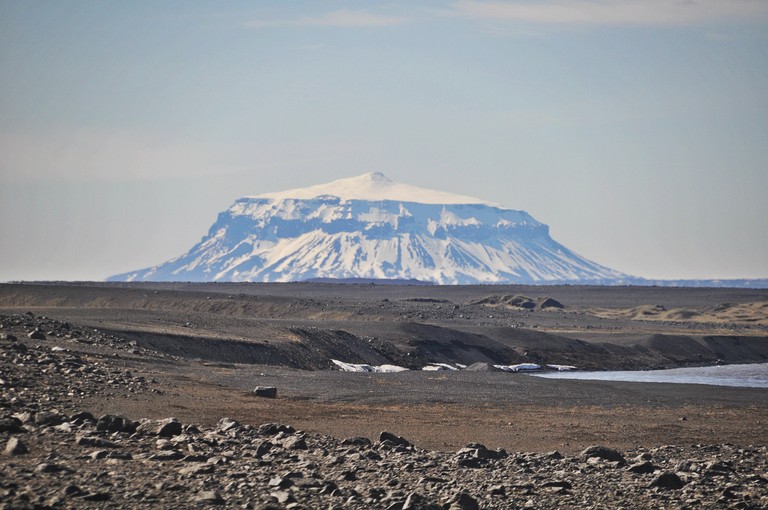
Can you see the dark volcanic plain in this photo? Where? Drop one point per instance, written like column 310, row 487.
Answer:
column 196, row 351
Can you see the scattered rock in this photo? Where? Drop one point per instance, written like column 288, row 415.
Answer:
column 11, row 424
column 115, row 423
column 462, row 501
column 392, row 438
column 96, row 442
column 603, row 452
column 15, row 447
column 36, row 335
column 668, row 480
column 356, row 441
column 271, row 429
column 227, row 424
column 48, row 418
column 265, row 391
column 210, row 497
column 84, row 462
column 642, row 468
column 168, row 427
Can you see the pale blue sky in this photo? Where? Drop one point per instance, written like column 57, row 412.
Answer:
column 638, row 130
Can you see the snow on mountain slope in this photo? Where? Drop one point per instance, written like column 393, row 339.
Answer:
column 371, row 227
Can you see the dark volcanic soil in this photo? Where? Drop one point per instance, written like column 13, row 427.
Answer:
column 195, row 352
column 305, row 325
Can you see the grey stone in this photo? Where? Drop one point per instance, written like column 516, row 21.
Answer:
column 295, row 443
column 96, row 442
column 603, row 452
column 265, row 391
column 97, row 496
column 463, row 501
column 14, row 446
column 283, row 497
column 48, row 418
column 115, row 423
column 168, row 427
column 271, row 429
column 226, row 424
column 642, row 468
column 392, row 438
column 668, row 480
column 11, row 424
column 47, row 467
column 210, row 497
column 416, row 501
column 356, row 441
column 36, row 335
column 205, row 469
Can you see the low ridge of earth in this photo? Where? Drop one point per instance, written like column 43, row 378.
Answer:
column 142, row 395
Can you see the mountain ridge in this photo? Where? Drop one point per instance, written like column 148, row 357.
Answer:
column 369, row 227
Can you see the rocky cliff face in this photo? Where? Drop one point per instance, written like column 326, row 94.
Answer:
column 370, row 227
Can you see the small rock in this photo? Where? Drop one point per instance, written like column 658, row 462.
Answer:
column 211, row 497
column 668, row 480
column 11, row 424
column 46, row 467
column 356, row 441
column 462, row 501
column 15, row 447
column 295, row 443
column 416, row 501
column 265, row 391
column 392, row 438
column 168, row 427
column 36, row 335
column 72, row 491
column 271, row 429
column 165, row 456
column 48, row 418
column 96, row 442
column 280, row 482
column 115, row 423
column 97, row 496
column 283, row 497
column 226, row 424
column 642, row 468
column 558, row 484
column 603, row 452
column 205, row 469
column 643, row 457
column 82, row 417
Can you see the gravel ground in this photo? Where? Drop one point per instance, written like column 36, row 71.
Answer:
column 86, row 403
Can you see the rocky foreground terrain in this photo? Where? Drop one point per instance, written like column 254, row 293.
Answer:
column 57, row 454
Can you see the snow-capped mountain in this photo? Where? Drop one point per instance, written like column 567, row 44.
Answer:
column 371, row 227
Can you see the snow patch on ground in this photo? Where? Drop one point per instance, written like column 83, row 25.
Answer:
column 363, row 367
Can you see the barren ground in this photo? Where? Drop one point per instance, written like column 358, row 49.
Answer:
column 221, row 340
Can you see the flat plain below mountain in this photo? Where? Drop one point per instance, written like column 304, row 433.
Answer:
column 78, row 358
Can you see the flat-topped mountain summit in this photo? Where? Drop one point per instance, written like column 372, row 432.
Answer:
column 370, row 227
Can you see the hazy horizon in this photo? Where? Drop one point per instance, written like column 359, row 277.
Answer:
column 635, row 130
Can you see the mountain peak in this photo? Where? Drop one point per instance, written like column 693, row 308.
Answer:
column 374, row 177
column 374, row 186
column 376, row 229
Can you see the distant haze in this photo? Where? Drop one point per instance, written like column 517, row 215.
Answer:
column 635, row 129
